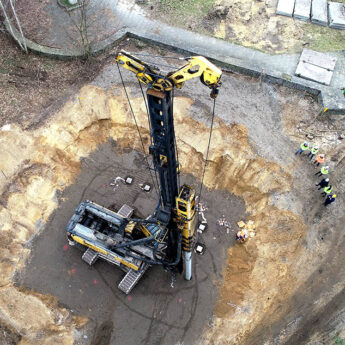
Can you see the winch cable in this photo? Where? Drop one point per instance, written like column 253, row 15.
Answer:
column 206, row 160
column 149, row 122
column 136, row 124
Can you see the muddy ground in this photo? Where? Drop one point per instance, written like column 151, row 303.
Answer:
column 167, row 311
column 284, row 286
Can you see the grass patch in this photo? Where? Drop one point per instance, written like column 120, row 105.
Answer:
column 3, row 70
column 338, row 341
column 324, row 39
column 67, row 5
column 195, row 9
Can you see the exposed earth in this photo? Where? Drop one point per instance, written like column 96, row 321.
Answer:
column 284, row 286
column 167, row 311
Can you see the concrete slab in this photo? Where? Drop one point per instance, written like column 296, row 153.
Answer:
column 336, row 15
column 315, row 73
column 285, row 7
column 319, row 12
column 322, row 60
column 302, row 10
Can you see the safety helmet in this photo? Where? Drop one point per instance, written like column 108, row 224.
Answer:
column 327, row 179
column 334, row 195
column 326, row 167
column 316, row 148
column 306, row 143
column 322, row 155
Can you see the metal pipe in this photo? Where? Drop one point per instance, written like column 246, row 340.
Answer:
column 187, row 263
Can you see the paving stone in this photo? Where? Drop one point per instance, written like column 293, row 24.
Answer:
column 322, row 60
column 319, row 13
column 314, row 73
column 336, row 14
column 302, row 10
column 285, row 7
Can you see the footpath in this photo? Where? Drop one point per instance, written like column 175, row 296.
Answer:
column 123, row 21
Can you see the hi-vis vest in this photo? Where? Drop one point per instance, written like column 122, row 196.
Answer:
column 328, row 190
column 324, row 171
column 314, row 150
column 304, row 147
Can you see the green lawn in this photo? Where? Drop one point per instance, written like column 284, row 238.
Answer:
column 324, row 39
column 180, row 10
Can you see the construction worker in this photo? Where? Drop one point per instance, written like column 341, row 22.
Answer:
column 323, row 171
column 303, row 147
column 329, row 199
column 323, row 183
column 320, row 159
column 327, row 190
column 313, row 151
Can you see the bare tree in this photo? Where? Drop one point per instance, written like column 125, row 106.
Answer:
column 81, row 19
column 7, row 13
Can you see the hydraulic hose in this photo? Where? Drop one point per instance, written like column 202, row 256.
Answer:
column 159, row 261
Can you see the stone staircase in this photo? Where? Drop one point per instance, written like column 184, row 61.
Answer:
column 319, row 12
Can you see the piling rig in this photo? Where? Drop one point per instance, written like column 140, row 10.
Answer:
column 165, row 238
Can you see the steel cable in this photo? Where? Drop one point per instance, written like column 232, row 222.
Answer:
column 148, row 120
column 136, row 124
column 206, row 159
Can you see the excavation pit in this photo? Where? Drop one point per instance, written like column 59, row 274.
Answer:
column 252, row 173
column 167, row 308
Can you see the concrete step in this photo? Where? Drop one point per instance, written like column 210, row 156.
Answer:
column 316, row 66
column 302, row 10
column 319, row 12
column 90, row 256
column 285, row 7
column 336, row 14
column 131, row 279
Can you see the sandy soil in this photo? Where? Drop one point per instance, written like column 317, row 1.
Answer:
column 276, row 287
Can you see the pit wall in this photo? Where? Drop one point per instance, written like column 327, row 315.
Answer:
column 35, row 165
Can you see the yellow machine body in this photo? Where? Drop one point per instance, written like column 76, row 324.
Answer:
column 134, row 65
column 197, row 66
column 185, row 209
column 105, row 252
